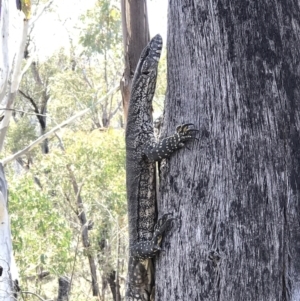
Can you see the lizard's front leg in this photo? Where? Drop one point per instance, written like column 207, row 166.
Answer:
column 164, row 148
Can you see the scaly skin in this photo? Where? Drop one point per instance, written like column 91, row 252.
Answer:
column 142, row 151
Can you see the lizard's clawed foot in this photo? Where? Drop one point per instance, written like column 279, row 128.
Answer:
column 148, row 249
column 163, row 223
column 186, row 133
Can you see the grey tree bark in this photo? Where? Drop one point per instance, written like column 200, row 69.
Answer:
column 233, row 71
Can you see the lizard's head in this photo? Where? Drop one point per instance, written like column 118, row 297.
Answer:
column 150, row 56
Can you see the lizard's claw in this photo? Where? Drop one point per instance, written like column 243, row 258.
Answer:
column 162, row 226
column 186, row 133
column 163, row 223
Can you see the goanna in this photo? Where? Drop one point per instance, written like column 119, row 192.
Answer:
column 142, row 150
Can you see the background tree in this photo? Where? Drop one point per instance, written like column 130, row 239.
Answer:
column 233, row 71
column 53, row 241
column 14, row 25
column 56, row 89
column 101, row 38
column 84, row 161
column 135, row 29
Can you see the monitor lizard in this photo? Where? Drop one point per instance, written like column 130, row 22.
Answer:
column 142, row 151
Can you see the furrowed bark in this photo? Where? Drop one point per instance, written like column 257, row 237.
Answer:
column 233, row 71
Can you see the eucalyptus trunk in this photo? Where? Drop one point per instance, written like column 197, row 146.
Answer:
column 233, row 71
column 135, row 30
column 13, row 29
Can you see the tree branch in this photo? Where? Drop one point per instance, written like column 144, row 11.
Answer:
column 21, row 111
column 84, row 230
column 37, row 16
column 36, row 109
column 112, row 114
column 56, row 128
column 86, row 79
column 40, row 117
column 34, row 294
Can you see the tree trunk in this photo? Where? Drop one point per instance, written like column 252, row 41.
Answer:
column 85, row 232
column 9, row 285
column 233, row 71
column 13, row 30
column 114, row 285
column 63, row 289
column 14, row 27
column 135, row 37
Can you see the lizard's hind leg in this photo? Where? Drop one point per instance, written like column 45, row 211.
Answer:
column 148, row 249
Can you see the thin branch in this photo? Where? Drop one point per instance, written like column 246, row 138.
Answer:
column 37, row 16
column 36, row 109
column 41, row 119
column 73, row 269
column 55, row 129
column 86, row 79
column 77, row 189
column 111, row 114
column 84, row 230
column 21, row 111
column 31, row 293
column 70, row 204
column 61, row 144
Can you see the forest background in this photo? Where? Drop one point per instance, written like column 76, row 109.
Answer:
column 76, row 179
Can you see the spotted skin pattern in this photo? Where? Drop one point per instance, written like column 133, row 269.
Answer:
column 142, row 151
column 148, row 249
column 164, row 149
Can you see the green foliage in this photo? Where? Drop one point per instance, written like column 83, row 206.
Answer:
column 43, row 204
column 41, row 237
column 97, row 160
column 102, row 30
column 45, row 224
column 21, row 134
column 72, row 91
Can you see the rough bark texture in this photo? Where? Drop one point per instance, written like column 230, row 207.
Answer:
column 135, row 37
column 234, row 71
